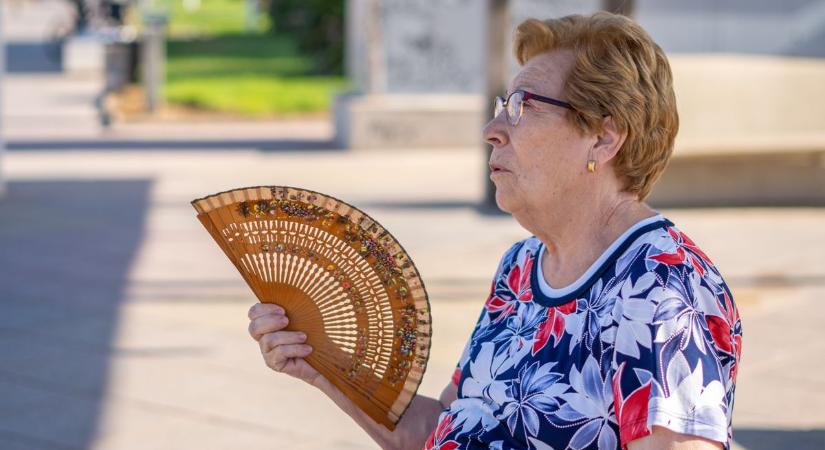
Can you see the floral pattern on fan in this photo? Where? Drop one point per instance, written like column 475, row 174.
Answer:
column 342, row 278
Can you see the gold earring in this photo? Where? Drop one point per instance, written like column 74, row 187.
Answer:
column 591, row 163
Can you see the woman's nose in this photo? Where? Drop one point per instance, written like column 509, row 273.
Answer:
column 495, row 133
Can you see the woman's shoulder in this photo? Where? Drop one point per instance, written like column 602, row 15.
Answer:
column 672, row 248
column 666, row 266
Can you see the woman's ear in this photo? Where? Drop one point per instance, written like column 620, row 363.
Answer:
column 608, row 141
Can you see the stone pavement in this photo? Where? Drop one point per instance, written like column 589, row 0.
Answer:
column 122, row 326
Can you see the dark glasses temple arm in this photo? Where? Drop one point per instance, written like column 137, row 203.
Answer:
column 552, row 101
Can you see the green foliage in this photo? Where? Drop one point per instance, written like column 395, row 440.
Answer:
column 210, row 17
column 213, row 62
column 253, row 75
column 256, row 95
column 317, row 26
column 233, row 54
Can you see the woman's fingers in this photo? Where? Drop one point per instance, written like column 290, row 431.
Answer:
column 268, row 323
column 279, row 357
column 262, row 309
column 283, row 351
column 271, row 340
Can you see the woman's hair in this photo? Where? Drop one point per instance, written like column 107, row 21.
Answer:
column 619, row 71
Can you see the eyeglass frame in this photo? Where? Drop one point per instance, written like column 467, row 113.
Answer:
column 525, row 96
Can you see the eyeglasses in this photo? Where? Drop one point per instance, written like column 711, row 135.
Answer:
column 514, row 103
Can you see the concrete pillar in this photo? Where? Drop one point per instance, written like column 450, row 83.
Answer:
column 153, row 58
column 353, row 45
column 251, row 15
column 417, row 73
column 376, row 59
column 498, row 32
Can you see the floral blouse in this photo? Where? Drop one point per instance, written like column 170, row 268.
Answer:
column 649, row 335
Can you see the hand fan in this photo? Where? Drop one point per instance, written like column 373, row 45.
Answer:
column 343, row 280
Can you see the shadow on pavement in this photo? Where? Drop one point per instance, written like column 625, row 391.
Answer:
column 761, row 439
column 39, row 57
column 67, row 249
column 479, row 206
column 273, row 145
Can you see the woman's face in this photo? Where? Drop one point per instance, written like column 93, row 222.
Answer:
column 541, row 162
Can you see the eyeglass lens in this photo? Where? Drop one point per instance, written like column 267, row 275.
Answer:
column 513, row 104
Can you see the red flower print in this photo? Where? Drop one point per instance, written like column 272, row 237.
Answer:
column 436, row 440
column 631, row 412
column 457, row 376
column 519, row 280
column 498, row 304
column 686, row 250
column 552, row 326
column 511, row 288
column 723, row 329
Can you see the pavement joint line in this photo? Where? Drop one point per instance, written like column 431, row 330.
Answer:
column 48, row 338
column 43, row 444
column 802, row 380
column 38, row 384
column 149, row 405
column 775, row 281
column 45, row 336
column 102, row 312
column 124, row 353
column 239, row 282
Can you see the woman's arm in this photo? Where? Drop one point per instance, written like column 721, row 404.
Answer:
column 284, row 351
column 664, row 439
column 411, row 431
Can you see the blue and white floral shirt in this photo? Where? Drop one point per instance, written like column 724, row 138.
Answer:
column 649, row 335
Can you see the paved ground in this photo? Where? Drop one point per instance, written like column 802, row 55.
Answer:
column 122, row 326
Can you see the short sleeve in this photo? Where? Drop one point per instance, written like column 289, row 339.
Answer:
column 667, row 368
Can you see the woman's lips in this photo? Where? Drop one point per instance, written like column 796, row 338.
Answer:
column 495, row 168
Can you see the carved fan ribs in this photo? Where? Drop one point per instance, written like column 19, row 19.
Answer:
column 343, row 280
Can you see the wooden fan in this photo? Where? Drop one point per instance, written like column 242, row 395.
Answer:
column 343, row 280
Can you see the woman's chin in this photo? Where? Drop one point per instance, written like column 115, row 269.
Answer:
column 503, row 201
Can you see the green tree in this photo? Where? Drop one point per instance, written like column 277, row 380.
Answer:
column 317, row 26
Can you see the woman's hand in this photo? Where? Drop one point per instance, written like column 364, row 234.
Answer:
column 283, row 351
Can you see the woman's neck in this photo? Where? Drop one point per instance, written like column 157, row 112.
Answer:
column 574, row 241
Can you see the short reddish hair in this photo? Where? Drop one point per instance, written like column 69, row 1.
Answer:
column 619, row 71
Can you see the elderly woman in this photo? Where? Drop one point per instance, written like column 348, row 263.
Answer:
column 608, row 328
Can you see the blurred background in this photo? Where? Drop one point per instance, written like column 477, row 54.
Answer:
column 122, row 326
